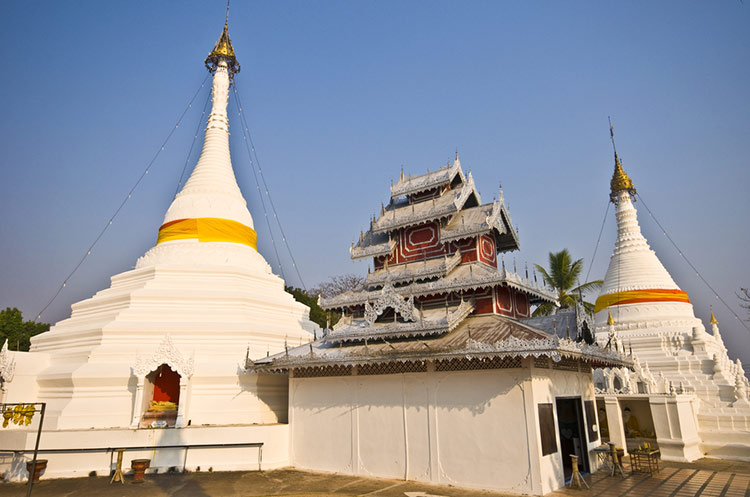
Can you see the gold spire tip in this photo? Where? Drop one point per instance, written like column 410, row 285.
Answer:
column 223, row 50
column 620, row 180
column 610, row 320
column 713, row 319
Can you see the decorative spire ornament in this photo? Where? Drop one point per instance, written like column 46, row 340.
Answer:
column 620, row 179
column 223, row 50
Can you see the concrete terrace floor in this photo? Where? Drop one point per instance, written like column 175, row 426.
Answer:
column 706, row 478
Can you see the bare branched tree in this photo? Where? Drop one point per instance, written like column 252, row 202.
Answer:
column 337, row 284
column 744, row 296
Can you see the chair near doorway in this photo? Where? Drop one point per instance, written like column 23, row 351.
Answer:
column 576, row 477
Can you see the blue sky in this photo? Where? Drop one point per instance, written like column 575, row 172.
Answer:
column 340, row 94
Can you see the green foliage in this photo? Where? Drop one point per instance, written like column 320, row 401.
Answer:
column 17, row 331
column 562, row 276
column 317, row 315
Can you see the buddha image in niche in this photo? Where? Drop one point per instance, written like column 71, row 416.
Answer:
column 603, row 422
column 631, row 424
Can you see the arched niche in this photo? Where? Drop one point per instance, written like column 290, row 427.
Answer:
column 163, row 378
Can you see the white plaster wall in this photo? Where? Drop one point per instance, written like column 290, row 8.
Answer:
column 320, row 416
column 465, row 428
column 481, row 422
column 23, row 387
column 547, row 386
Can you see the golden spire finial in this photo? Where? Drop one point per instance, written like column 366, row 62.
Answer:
column 620, row 179
column 610, row 319
column 713, row 318
column 223, row 51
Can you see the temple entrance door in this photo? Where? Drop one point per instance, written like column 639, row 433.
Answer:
column 572, row 434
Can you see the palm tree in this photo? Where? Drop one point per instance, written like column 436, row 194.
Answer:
column 562, row 275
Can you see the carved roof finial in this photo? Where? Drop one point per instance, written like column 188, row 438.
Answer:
column 620, row 180
column 457, row 162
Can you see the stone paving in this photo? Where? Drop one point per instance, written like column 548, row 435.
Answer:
column 704, row 478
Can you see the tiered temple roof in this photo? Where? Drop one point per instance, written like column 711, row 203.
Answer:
column 439, row 289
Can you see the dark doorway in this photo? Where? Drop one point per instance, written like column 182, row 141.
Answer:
column 166, row 385
column 572, row 434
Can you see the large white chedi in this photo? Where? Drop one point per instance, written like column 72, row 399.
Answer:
column 641, row 306
column 177, row 328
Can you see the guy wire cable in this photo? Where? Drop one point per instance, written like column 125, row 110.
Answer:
column 195, row 138
column 270, row 200
column 596, row 247
column 697, row 273
column 260, row 193
column 122, row 204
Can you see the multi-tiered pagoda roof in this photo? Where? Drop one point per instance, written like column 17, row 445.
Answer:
column 439, row 288
column 437, row 248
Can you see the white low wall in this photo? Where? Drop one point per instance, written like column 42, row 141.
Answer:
column 275, row 439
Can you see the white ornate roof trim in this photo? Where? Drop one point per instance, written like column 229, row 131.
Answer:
column 367, row 251
column 552, row 347
column 167, row 354
column 421, row 212
column 412, row 271
column 466, row 190
column 481, row 278
column 629, row 380
column 417, row 184
column 7, row 364
column 509, row 222
column 472, row 228
column 389, row 298
column 360, row 330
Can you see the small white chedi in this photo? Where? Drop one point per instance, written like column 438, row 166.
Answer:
column 696, row 395
column 165, row 344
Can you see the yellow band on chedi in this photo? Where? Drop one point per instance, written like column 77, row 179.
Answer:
column 208, row 229
column 637, row 296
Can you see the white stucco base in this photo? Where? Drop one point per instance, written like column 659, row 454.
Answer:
column 475, row 429
column 275, row 439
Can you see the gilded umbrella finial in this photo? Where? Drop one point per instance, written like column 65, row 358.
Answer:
column 223, row 51
column 620, row 179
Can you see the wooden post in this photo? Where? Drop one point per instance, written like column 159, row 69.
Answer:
column 118, row 469
column 576, row 476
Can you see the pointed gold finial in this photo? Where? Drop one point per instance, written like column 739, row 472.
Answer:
column 223, row 50
column 610, row 319
column 713, row 318
column 620, row 179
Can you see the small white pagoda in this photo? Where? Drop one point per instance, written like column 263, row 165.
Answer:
column 684, row 380
column 165, row 345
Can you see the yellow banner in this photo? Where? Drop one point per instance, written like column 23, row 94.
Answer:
column 208, row 229
column 637, row 296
